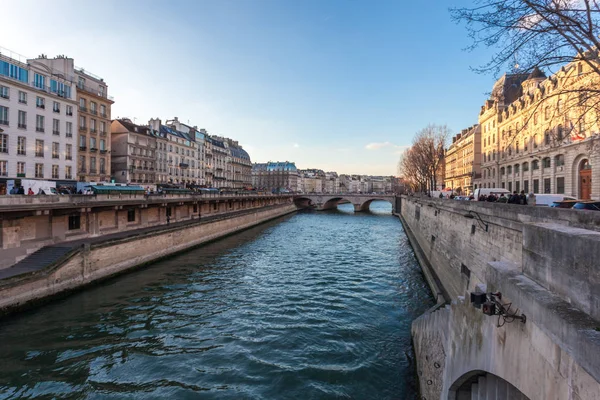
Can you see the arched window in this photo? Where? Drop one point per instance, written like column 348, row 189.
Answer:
column 525, row 144
column 517, row 146
column 516, row 168
column 502, row 171
column 525, row 167
column 559, row 160
column 493, row 172
column 510, row 150
column 509, row 170
column 547, row 137
column 535, row 141
column 546, row 162
column 535, row 164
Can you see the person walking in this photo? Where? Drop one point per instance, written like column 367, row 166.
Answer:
column 30, row 192
column 502, row 199
column 531, row 199
column 522, row 198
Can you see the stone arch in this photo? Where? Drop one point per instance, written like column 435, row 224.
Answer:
column 478, row 384
column 303, row 202
column 577, row 161
column 365, row 205
column 333, row 202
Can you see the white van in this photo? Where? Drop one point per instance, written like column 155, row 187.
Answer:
column 545, row 199
column 487, row 191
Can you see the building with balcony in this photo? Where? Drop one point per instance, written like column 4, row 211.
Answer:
column 275, row 176
column 540, row 134
column 198, row 136
column 463, row 161
column 37, row 118
column 134, row 152
column 93, row 126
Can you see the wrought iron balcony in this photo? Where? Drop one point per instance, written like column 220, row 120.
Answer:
column 183, row 165
column 23, row 126
column 94, row 149
column 39, row 129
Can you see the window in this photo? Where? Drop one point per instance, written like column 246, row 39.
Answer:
column 82, row 104
column 93, row 165
column 536, row 186
column 546, row 162
column 22, row 119
column 525, row 167
column 101, row 91
column 69, row 110
column 81, row 83
column 21, row 145
column 535, row 164
column 55, row 127
column 560, row 185
column 68, row 172
column 74, row 222
column 39, row 81
column 102, row 128
column 82, row 142
column 516, row 168
column 510, row 186
column 547, row 137
column 509, row 170
column 102, row 166
column 4, row 93
column 68, row 152
column 525, row 144
column 21, row 169
column 102, row 145
column 56, row 106
column 55, row 150
column 3, row 115
column 39, row 170
column 81, row 163
column 559, row 160
column 3, row 168
column 518, row 186
column 55, row 172
column 93, row 109
column 547, row 188
column 22, row 97
column 69, row 129
column 3, row 143
column 82, row 123
column 103, row 111
column 526, row 186
column 39, row 123
column 517, row 147
column 92, row 143
column 559, row 132
column 40, row 102
column 92, row 125
column 39, row 148
column 131, row 215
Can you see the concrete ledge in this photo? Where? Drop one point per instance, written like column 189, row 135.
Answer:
column 570, row 328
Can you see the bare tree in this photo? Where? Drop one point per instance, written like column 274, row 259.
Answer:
column 422, row 164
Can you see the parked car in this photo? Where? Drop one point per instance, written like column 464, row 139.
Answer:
column 564, row 204
column 587, row 205
column 487, row 191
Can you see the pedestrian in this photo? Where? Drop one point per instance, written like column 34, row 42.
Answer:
column 30, row 192
column 502, row 199
column 14, row 190
column 168, row 219
column 531, row 199
column 514, row 198
column 441, row 196
column 522, row 198
column 21, row 190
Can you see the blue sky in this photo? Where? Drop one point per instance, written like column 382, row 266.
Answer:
column 336, row 85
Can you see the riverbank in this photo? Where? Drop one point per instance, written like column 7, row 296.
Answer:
column 103, row 258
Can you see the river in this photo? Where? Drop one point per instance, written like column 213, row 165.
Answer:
column 316, row 305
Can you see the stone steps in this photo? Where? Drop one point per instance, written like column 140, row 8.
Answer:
column 35, row 261
column 490, row 387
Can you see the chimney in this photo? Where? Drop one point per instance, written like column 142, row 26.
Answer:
column 154, row 124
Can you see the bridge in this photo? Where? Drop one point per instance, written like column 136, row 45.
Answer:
column 328, row 201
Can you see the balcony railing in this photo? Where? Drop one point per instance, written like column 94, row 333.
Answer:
column 93, row 170
column 69, row 158
column 102, row 133
column 93, row 130
column 55, row 156
column 40, row 106
column 103, row 115
column 183, row 165
column 103, row 151
column 84, row 109
column 69, row 135
column 55, row 132
column 82, row 170
column 39, row 154
column 93, row 112
column 3, row 122
column 83, row 129
column 93, row 91
column 23, row 126
column 82, row 148
column 39, row 129
column 93, row 149
column 69, row 113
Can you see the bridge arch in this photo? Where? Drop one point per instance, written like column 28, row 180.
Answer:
column 334, row 201
column 367, row 204
column 478, row 384
column 303, row 202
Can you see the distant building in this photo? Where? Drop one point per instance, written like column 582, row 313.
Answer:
column 275, row 176
column 463, row 161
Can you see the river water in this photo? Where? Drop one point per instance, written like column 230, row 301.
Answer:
column 310, row 306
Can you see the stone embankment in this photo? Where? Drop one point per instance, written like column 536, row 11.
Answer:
column 95, row 259
column 544, row 261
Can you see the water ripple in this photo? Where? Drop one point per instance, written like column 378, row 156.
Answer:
column 312, row 306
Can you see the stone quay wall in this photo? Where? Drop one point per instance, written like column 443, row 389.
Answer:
column 98, row 261
column 544, row 262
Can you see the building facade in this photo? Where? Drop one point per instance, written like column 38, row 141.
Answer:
column 134, row 152
column 37, row 117
column 463, row 161
column 275, row 176
column 94, row 121
column 541, row 135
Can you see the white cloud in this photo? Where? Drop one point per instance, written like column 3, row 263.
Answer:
column 378, row 145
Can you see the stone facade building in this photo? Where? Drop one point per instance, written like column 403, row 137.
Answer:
column 275, row 176
column 540, row 134
column 134, row 152
column 463, row 161
column 37, row 115
column 94, row 122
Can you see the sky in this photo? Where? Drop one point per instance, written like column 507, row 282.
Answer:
column 336, row 85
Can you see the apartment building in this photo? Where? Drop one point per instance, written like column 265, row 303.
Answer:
column 37, row 114
column 463, row 161
column 275, row 176
column 94, row 121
